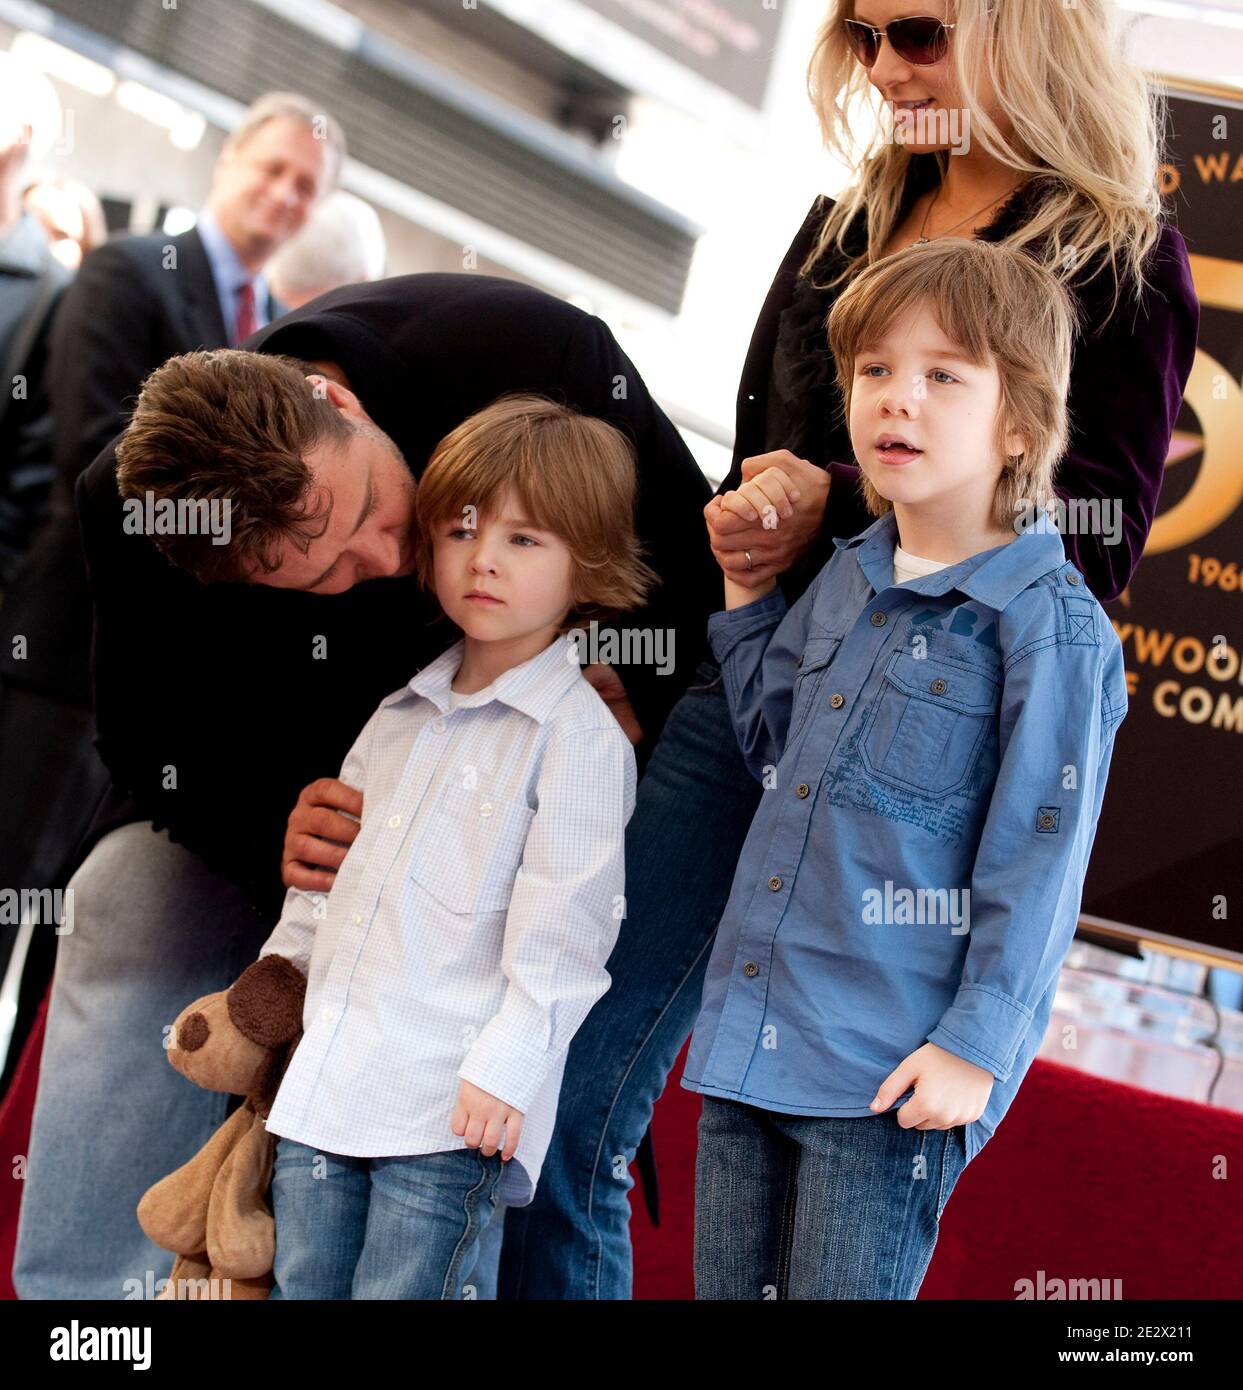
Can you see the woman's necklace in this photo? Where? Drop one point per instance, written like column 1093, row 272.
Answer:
column 923, row 240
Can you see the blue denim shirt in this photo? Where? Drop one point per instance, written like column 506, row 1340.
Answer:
column 951, row 733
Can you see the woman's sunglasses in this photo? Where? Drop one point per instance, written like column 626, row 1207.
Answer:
column 920, row 40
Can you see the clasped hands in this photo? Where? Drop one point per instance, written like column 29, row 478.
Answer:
column 775, row 513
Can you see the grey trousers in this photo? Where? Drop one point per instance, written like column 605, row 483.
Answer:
column 153, row 929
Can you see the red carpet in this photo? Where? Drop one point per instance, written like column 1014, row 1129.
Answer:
column 1084, row 1179
column 15, row 1115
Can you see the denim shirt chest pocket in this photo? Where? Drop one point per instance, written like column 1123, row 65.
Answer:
column 470, row 854
column 818, row 653
column 928, row 721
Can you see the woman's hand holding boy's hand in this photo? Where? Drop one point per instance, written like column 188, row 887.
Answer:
column 317, row 835
column 775, row 513
column 479, row 1118
column 949, row 1090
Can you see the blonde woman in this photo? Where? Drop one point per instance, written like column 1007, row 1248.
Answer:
column 1018, row 122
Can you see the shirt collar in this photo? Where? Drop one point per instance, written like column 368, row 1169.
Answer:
column 226, row 267
column 993, row 577
column 534, row 687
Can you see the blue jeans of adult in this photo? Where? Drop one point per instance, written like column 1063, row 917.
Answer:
column 693, row 808
column 153, row 929
column 817, row 1207
column 404, row 1227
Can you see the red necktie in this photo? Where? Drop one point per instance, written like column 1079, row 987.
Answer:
column 246, row 324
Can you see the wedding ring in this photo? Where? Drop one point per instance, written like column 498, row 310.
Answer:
column 747, row 553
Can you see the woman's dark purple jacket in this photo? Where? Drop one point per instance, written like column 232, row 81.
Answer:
column 1127, row 379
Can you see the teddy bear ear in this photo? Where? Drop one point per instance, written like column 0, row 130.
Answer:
column 265, row 1004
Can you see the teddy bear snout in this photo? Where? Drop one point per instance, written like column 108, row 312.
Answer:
column 192, row 1032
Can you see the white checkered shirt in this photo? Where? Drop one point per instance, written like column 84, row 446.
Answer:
column 467, row 931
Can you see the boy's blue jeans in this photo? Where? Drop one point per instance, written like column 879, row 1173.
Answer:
column 817, row 1207
column 693, row 809
column 384, row 1228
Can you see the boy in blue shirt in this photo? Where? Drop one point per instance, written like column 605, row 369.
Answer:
column 932, row 723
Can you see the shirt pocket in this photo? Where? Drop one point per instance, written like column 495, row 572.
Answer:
column 928, row 723
column 472, row 851
column 818, row 654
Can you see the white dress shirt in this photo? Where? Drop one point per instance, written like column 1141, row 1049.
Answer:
column 466, row 933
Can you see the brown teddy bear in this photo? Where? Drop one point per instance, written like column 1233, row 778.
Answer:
column 213, row 1211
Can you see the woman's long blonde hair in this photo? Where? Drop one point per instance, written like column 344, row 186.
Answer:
column 1083, row 117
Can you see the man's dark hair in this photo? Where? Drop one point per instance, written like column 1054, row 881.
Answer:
column 236, row 426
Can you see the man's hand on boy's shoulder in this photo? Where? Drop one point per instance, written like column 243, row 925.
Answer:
column 479, row 1117
column 775, row 513
column 318, row 834
column 949, row 1090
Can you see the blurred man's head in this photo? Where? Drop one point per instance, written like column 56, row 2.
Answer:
column 319, row 496
column 273, row 168
column 341, row 244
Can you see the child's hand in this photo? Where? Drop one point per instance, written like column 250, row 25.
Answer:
column 949, row 1091
column 479, row 1118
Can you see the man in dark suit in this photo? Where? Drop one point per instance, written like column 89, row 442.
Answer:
column 136, row 301
column 218, row 702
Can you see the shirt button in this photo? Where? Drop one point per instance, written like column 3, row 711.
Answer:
column 438, row 725
column 774, row 883
column 803, row 789
column 486, row 809
column 837, row 701
column 394, row 822
column 1047, row 822
column 1072, row 578
column 879, row 620
column 751, row 968
column 328, row 1015
column 939, row 687
column 358, row 918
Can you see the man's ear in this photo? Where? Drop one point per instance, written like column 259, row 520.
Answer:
column 323, row 388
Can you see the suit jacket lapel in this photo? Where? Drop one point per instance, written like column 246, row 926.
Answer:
column 198, row 288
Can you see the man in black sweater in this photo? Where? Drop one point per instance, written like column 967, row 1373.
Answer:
column 218, row 702
column 137, row 301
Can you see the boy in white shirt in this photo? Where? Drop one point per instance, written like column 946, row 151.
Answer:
column 465, row 937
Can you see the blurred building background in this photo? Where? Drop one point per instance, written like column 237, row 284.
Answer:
column 649, row 160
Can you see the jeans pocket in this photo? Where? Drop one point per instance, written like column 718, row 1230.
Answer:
column 953, row 1161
